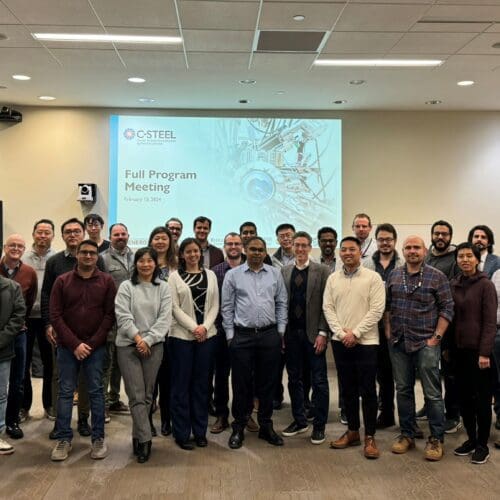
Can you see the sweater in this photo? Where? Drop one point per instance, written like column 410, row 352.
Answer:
column 183, row 314
column 474, row 323
column 356, row 302
column 12, row 313
column 144, row 309
column 82, row 309
column 28, row 281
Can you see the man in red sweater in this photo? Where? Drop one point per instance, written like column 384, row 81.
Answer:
column 82, row 313
column 13, row 268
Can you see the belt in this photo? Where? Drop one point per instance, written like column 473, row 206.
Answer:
column 244, row 329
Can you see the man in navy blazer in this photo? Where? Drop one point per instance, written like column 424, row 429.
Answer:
column 306, row 335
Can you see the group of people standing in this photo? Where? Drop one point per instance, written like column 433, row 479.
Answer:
column 180, row 317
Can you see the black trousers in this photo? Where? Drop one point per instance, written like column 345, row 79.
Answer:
column 255, row 357
column 476, row 390
column 385, row 378
column 221, row 369
column 36, row 330
column 357, row 370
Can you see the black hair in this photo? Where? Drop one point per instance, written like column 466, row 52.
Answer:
column 73, row 220
column 93, row 217
column 326, row 229
column 174, row 219
column 253, row 238
column 388, row 228
column 185, row 242
column 469, row 246
column 351, row 238
column 489, row 234
column 202, row 219
column 44, row 221
column 171, row 257
column 442, row 223
column 88, row 242
column 286, row 225
column 303, row 234
column 248, row 223
column 140, row 253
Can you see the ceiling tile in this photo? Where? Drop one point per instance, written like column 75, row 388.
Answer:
column 471, row 13
column 468, row 63
column 208, row 61
column 218, row 15
column 88, row 59
column 218, row 41
column 450, row 27
column 6, row 17
column 348, row 42
column 145, row 63
column 285, row 64
column 432, row 43
column 17, row 36
column 468, row 2
column 482, row 44
column 318, row 16
column 495, row 28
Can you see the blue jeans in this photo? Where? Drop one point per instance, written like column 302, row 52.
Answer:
column 4, row 383
column 69, row 368
column 404, row 365
column 16, row 381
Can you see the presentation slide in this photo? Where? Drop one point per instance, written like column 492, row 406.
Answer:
column 232, row 170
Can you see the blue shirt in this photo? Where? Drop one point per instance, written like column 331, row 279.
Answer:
column 254, row 299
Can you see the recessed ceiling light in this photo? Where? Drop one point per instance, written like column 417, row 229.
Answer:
column 243, row 101
column 136, row 79
column 496, row 45
column 2, row 87
column 340, row 101
column 465, row 83
column 21, row 77
column 3, row 36
column 147, row 100
column 87, row 37
column 248, row 82
column 46, row 98
column 280, row 92
column 380, row 63
column 433, row 101
column 299, row 17
column 357, row 82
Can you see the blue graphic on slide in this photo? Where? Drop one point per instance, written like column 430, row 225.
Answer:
column 267, row 170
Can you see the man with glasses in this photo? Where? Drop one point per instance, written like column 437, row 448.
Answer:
column 62, row 262
column 13, row 268
column 94, row 224
column 327, row 241
column 82, row 314
column 284, row 255
column 254, row 317
column 174, row 225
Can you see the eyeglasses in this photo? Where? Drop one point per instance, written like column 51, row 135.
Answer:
column 385, row 240
column 13, row 246
column 285, row 236
column 93, row 224
column 90, row 253
column 72, row 231
column 175, row 229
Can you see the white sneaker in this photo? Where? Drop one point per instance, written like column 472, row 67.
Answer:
column 6, row 448
column 99, row 449
column 60, row 451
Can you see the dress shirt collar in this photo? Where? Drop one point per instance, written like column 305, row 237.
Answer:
column 303, row 266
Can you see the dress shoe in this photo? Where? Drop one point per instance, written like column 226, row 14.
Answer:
column 166, row 428
column 119, row 407
column 184, row 445
column 220, row 425
column 385, row 420
column 277, row 404
column 153, row 430
column 201, row 441
column 211, row 408
column 143, row 452
column 371, row 450
column 135, row 446
column 349, row 438
column 14, row 431
column 252, row 425
column 83, row 427
column 268, row 434
column 236, row 439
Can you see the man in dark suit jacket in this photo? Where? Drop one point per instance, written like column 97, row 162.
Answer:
column 306, row 333
column 211, row 254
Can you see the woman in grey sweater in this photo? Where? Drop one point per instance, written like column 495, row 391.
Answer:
column 143, row 308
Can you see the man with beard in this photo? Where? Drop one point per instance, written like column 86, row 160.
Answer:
column 482, row 237
column 441, row 254
column 327, row 241
column 174, row 225
column 119, row 262
column 383, row 261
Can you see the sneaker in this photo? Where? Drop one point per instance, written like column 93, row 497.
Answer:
column 421, row 414
column 23, row 415
column 83, row 427
column 99, row 449
column 60, row 451
column 14, row 431
column 402, row 444
column 6, row 448
column 343, row 417
column 465, row 448
column 480, row 455
column 318, row 436
column 433, row 450
column 119, row 407
column 293, row 429
column 107, row 416
column 451, row 426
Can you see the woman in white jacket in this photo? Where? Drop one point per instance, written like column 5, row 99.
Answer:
column 195, row 299
column 143, row 308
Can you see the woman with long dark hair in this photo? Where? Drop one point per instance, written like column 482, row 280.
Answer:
column 195, row 299
column 143, row 308
column 161, row 240
column 474, row 329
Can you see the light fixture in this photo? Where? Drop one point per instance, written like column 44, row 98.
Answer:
column 136, row 79
column 496, row 45
column 46, row 98
column 21, row 77
column 433, row 102
column 146, row 100
column 88, row 37
column 243, row 101
column 339, row 101
column 3, row 36
column 357, row 82
column 280, row 92
column 248, row 82
column 299, row 17
column 465, row 83
column 403, row 63
column 2, row 87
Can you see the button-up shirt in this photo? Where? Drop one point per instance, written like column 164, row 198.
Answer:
column 254, row 299
column 415, row 310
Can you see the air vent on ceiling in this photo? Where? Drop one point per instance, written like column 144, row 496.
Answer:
column 289, row 41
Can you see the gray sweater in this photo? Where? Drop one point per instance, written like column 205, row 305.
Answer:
column 143, row 309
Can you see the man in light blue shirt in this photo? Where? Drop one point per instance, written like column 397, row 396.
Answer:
column 254, row 317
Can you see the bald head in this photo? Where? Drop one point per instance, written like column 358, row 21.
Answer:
column 14, row 249
column 414, row 251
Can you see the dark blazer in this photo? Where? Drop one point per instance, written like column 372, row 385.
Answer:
column 491, row 264
column 216, row 255
column 316, row 281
